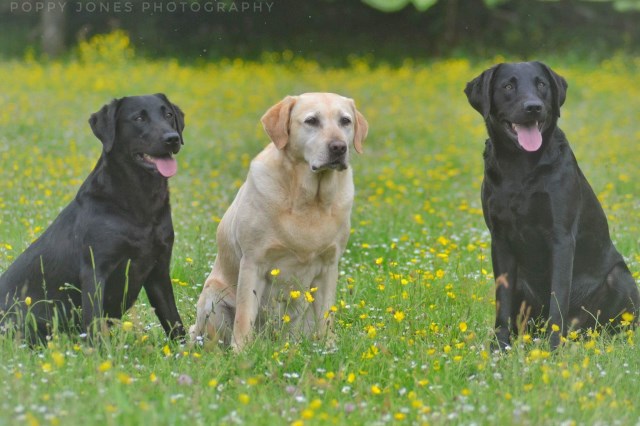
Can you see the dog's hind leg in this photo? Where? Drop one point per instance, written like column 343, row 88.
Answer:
column 215, row 314
column 616, row 296
column 622, row 293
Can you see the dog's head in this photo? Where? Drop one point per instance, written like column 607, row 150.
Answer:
column 519, row 101
column 145, row 130
column 317, row 128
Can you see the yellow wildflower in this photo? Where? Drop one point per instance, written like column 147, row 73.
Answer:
column 105, row 366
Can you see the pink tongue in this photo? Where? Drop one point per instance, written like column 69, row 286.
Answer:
column 166, row 166
column 529, row 137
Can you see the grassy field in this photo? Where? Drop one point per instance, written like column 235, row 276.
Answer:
column 415, row 302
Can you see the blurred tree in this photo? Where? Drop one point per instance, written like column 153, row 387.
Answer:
column 395, row 5
column 332, row 31
column 422, row 5
column 625, row 5
column 53, row 28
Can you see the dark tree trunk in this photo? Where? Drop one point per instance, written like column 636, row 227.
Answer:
column 450, row 23
column 53, row 24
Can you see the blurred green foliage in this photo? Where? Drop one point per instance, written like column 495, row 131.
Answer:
column 329, row 31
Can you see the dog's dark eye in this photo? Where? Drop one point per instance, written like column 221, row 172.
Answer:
column 541, row 85
column 312, row 121
column 139, row 118
column 169, row 115
column 508, row 86
column 345, row 121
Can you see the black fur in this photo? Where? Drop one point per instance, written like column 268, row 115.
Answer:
column 552, row 255
column 113, row 239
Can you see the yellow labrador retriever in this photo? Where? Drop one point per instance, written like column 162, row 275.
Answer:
column 280, row 241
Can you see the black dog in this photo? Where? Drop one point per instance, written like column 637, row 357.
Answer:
column 114, row 238
column 552, row 255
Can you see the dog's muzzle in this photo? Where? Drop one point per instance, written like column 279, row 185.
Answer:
column 337, row 148
column 172, row 141
column 336, row 158
column 337, row 155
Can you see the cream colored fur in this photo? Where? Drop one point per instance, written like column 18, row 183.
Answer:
column 292, row 214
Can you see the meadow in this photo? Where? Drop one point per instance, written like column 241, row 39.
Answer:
column 414, row 310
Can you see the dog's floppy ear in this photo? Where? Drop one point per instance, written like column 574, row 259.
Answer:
column 178, row 115
column 276, row 121
column 478, row 91
column 361, row 128
column 558, row 88
column 103, row 124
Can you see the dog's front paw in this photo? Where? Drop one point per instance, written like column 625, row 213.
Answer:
column 330, row 341
column 239, row 344
column 555, row 340
column 502, row 342
column 500, row 346
column 193, row 336
column 236, row 348
column 178, row 333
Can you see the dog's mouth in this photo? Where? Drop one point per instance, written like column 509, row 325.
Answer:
column 529, row 135
column 166, row 165
column 338, row 165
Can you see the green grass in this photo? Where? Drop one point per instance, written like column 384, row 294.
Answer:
column 415, row 297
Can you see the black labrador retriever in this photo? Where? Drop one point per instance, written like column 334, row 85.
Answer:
column 552, row 255
column 113, row 239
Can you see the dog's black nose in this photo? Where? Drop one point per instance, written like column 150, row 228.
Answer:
column 337, row 147
column 533, row 106
column 171, row 138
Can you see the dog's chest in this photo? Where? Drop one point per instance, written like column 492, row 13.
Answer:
column 304, row 247
column 518, row 210
column 311, row 233
column 145, row 245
